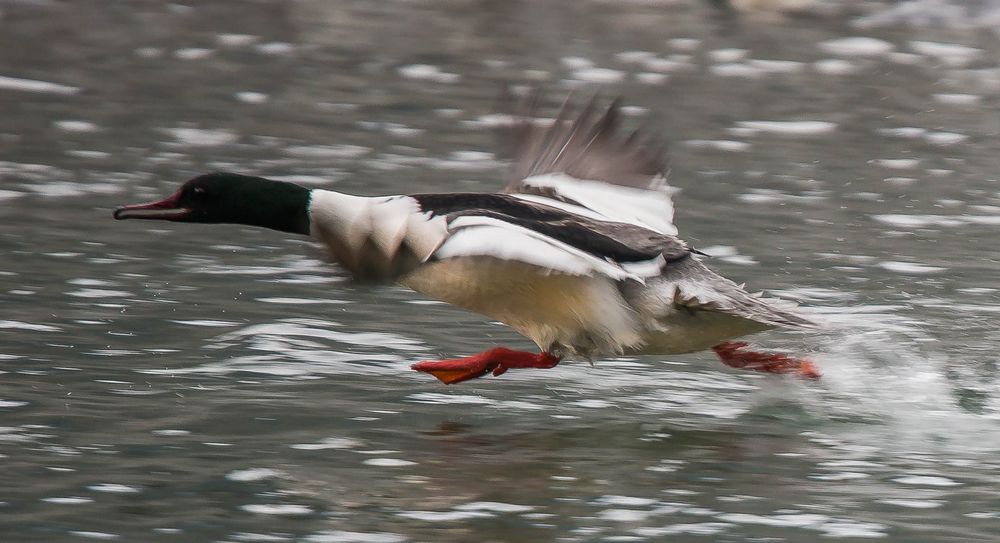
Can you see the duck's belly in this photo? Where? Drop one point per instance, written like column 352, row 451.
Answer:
column 684, row 331
column 576, row 314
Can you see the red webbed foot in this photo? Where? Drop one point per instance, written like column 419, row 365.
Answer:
column 735, row 354
column 497, row 360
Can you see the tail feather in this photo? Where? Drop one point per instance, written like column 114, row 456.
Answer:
column 696, row 287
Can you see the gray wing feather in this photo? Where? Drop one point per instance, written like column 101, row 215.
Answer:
column 584, row 142
column 692, row 286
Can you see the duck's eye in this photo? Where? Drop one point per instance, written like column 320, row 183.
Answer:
column 199, row 191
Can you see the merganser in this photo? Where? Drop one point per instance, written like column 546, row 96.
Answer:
column 579, row 253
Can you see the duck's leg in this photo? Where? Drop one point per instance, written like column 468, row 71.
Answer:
column 736, row 355
column 497, row 360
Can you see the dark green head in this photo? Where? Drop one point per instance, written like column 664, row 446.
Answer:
column 230, row 198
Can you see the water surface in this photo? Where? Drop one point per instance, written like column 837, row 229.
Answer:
column 190, row 383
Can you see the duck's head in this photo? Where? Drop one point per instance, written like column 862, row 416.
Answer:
column 230, row 198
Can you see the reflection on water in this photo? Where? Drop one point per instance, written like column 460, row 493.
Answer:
column 181, row 383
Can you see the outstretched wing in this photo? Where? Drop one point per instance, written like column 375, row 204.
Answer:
column 584, row 163
column 507, row 227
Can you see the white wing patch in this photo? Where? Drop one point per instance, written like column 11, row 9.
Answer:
column 486, row 236
column 651, row 208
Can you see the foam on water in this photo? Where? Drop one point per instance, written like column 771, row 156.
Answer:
column 202, row 137
column 789, row 128
column 494, row 507
column 388, row 462
column 926, row 480
column 237, row 40
column 341, row 536
column 719, row 145
column 876, row 368
column 735, row 69
column 945, row 138
column 206, row 323
column 626, row 501
column 856, row 46
column 910, row 267
column 834, row 66
column 250, row 475
column 98, row 293
column 913, row 504
column 634, row 57
column 957, row 99
column 106, row 536
column 252, row 97
column 115, row 488
column 67, row 500
column 444, row 516
column 897, row 163
column 193, row 53
column 598, row 75
column 919, row 221
column 34, row 85
column 283, row 509
column 428, row 72
column 951, row 53
column 684, row 44
column 275, row 48
column 623, row 515
column 329, row 443
column 35, row 327
column 576, row 63
column 300, row 301
column 76, row 126
column 171, row 432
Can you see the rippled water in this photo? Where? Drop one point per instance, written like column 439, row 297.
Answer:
column 189, row 383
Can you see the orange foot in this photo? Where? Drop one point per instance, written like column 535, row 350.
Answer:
column 497, row 360
column 735, row 355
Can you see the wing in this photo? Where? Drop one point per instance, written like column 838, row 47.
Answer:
column 583, row 163
column 506, row 227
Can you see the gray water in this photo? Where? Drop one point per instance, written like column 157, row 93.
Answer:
column 169, row 382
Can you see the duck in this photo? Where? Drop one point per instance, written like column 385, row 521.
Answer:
column 578, row 252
